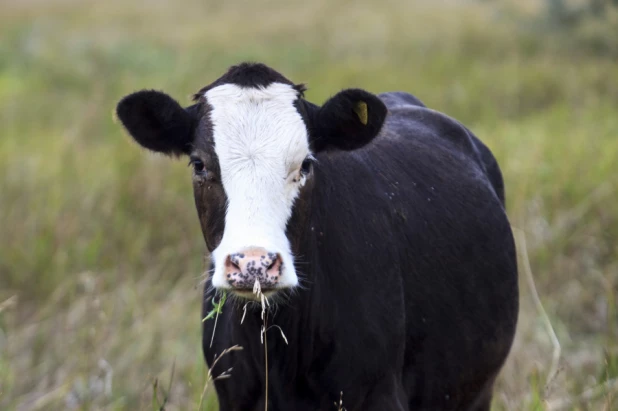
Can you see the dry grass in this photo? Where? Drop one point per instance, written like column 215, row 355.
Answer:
column 101, row 252
column 224, row 375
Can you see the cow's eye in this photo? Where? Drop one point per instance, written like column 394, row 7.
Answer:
column 198, row 166
column 305, row 167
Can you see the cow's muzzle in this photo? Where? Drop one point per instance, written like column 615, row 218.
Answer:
column 243, row 268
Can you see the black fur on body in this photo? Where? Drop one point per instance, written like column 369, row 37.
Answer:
column 409, row 294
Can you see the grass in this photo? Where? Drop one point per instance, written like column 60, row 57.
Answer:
column 101, row 254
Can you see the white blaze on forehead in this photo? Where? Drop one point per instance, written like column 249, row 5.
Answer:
column 260, row 140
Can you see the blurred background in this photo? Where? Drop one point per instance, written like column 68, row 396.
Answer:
column 101, row 252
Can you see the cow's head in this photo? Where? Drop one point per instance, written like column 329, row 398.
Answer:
column 250, row 138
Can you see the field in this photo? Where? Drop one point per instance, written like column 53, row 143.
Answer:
column 101, row 255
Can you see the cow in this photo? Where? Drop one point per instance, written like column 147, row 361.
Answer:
column 363, row 245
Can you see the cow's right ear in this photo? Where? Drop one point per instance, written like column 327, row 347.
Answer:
column 157, row 122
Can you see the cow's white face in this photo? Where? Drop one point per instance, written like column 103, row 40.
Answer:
column 261, row 142
column 250, row 150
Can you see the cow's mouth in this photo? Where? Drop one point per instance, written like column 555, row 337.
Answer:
column 249, row 294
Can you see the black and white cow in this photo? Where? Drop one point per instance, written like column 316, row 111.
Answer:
column 375, row 226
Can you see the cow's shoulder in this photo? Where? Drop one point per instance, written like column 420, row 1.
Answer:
column 409, row 119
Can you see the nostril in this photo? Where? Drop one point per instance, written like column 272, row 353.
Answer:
column 273, row 261
column 233, row 261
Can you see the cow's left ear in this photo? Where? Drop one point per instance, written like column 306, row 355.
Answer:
column 349, row 120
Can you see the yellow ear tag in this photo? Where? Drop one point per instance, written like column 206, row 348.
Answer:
column 360, row 108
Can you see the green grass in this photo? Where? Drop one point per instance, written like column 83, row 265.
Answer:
column 100, row 242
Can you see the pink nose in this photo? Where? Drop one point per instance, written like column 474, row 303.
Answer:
column 243, row 268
